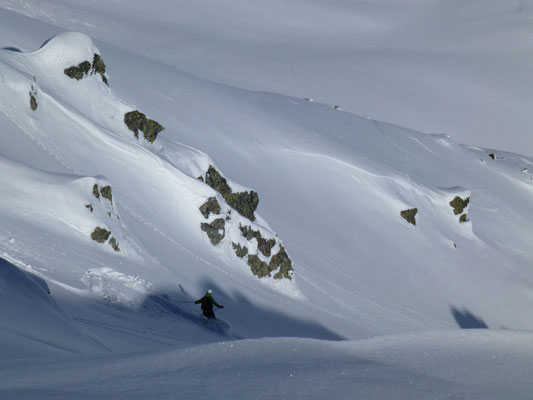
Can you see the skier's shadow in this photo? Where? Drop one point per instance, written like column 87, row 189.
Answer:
column 247, row 320
column 466, row 320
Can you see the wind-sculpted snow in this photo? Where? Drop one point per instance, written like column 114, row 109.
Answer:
column 474, row 365
column 331, row 184
column 32, row 323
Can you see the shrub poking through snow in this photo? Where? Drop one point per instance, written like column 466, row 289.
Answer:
column 136, row 121
column 244, row 202
column 85, row 68
column 90, row 207
column 240, row 251
column 264, row 245
column 463, row 218
column 409, row 215
column 107, row 193
column 215, row 230
column 100, row 235
column 114, row 244
column 210, row 206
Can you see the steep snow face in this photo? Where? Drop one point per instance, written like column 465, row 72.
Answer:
column 438, row 66
column 85, row 108
column 32, row 323
column 332, row 185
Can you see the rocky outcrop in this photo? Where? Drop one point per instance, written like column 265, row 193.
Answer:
column 240, row 251
column 114, row 244
column 33, row 99
column 79, row 71
column 409, row 215
column 105, row 191
column 215, row 230
column 210, row 206
column 85, row 68
column 458, row 204
column 100, row 235
column 264, row 245
column 99, row 67
column 280, row 261
column 136, row 121
column 263, row 263
column 245, row 203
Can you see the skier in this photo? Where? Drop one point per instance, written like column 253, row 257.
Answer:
column 207, row 305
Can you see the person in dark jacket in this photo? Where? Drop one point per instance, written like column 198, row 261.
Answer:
column 207, row 305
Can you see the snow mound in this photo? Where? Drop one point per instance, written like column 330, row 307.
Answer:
column 63, row 51
column 436, row 365
column 31, row 321
column 116, row 288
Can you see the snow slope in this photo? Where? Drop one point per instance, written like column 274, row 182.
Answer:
column 437, row 66
column 331, row 185
column 32, row 324
column 473, row 365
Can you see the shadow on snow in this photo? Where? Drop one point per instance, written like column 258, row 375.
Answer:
column 466, row 320
column 240, row 318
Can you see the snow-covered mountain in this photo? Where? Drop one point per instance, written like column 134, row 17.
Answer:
column 130, row 186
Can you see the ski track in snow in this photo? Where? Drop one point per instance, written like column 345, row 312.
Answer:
column 143, row 334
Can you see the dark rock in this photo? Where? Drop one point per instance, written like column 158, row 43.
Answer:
column 264, row 245
column 244, row 202
column 217, row 181
column 114, row 244
column 136, row 120
column 98, row 67
column 240, row 251
column 491, row 155
column 33, row 102
column 409, row 215
column 100, row 235
column 83, row 69
column 107, row 193
column 258, row 267
column 210, row 206
column 214, row 229
column 459, row 204
column 279, row 261
column 282, row 261
column 90, row 207
column 78, row 72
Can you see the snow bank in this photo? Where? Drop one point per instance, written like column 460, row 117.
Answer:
column 473, row 365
